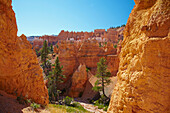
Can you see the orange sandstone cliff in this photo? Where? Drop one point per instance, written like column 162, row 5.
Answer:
column 144, row 71
column 77, row 58
column 19, row 69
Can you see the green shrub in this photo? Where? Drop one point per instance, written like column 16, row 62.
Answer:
column 77, row 109
column 100, row 106
column 115, row 46
column 100, row 44
column 105, row 109
column 78, row 105
column 102, row 103
column 35, row 105
column 67, row 100
column 87, row 70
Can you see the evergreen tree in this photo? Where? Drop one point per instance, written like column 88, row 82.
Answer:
column 103, row 76
column 51, row 49
column 55, row 78
column 44, row 55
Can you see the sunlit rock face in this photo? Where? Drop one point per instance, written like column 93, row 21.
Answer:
column 144, row 69
column 88, row 53
column 20, row 72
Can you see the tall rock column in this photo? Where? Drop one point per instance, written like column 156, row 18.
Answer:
column 144, row 71
column 20, row 72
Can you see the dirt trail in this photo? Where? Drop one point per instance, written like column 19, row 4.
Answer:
column 92, row 108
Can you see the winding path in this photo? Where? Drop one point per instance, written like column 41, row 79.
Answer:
column 92, row 108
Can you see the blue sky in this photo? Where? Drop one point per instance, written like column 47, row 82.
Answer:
column 48, row 17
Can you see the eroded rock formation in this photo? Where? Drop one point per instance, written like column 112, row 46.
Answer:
column 144, row 69
column 71, row 55
column 113, row 35
column 79, row 80
column 19, row 69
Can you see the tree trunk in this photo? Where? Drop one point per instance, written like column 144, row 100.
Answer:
column 103, row 86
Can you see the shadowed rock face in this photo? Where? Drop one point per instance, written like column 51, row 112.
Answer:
column 144, row 69
column 19, row 69
column 79, row 80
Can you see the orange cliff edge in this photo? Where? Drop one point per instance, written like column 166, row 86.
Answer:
column 144, row 69
column 20, row 72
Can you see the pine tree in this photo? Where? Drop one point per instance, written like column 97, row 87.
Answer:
column 44, row 52
column 103, row 76
column 51, row 49
column 44, row 55
column 55, row 78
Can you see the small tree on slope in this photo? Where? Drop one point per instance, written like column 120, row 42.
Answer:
column 55, row 78
column 103, row 77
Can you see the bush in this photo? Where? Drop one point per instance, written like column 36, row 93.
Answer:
column 102, row 103
column 115, row 46
column 100, row 106
column 87, row 70
column 67, row 100
column 34, row 105
column 105, row 109
column 78, row 105
column 67, row 109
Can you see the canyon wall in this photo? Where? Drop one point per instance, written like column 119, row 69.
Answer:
column 88, row 54
column 20, row 72
column 144, row 71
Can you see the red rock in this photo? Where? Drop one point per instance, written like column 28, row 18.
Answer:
column 19, row 69
column 79, row 79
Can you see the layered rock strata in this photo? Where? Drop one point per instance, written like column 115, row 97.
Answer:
column 71, row 55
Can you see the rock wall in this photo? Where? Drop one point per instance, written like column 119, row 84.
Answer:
column 71, row 55
column 144, row 69
column 19, row 69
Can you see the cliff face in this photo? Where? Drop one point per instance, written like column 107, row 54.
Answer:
column 144, row 69
column 88, row 53
column 19, row 69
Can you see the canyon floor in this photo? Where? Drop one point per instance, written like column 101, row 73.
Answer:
column 9, row 104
